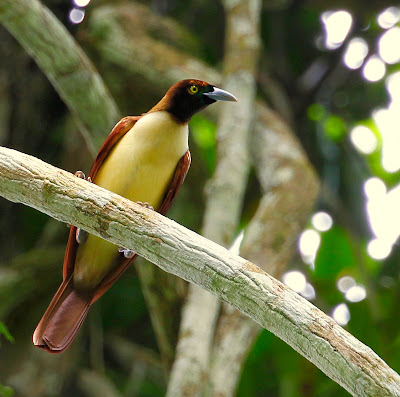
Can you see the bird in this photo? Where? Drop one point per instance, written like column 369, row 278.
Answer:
column 144, row 159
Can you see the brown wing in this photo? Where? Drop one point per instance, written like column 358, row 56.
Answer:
column 180, row 173
column 176, row 183
column 120, row 129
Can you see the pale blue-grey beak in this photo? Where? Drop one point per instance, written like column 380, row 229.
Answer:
column 220, row 95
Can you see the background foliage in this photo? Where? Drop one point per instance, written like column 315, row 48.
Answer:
column 311, row 87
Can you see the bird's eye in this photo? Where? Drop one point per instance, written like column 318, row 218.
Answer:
column 193, row 89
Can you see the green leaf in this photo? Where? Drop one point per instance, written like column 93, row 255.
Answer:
column 4, row 331
column 334, row 127
column 335, row 253
column 316, row 112
column 6, row 391
column 203, row 133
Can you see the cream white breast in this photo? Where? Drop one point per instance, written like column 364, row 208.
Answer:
column 142, row 163
column 140, row 167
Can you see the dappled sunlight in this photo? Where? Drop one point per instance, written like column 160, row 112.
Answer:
column 388, row 17
column 383, row 213
column 345, row 283
column 337, row 26
column 389, row 45
column 387, row 121
column 81, row 3
column 341, row 314
column 322, row 221
column 379, row 249
column 309, row 242
column 76, row 15
column 363, row 139
column 374, row 69
column 369, row 53
column 356, row 293
column 297, row 281
column 393, row 86
column 355, row 53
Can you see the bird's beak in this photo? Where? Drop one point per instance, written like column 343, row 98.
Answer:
column 220, row 95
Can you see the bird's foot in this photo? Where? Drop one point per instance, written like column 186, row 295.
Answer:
column 145, row 205
column 81, row 175
column 81, row 236
column 127, row 252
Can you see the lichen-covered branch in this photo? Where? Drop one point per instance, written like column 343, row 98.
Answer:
column 64, row 63
column 186, row 254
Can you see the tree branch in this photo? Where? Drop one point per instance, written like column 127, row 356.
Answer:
column 66, row 66
column 184, row 253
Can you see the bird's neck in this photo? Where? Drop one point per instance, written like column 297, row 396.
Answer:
column 180, row 111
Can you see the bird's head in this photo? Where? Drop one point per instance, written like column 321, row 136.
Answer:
column 188, row 97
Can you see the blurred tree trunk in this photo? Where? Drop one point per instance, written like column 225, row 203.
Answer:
column 224, row 191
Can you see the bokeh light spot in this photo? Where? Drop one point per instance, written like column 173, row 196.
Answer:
column 308, row 292
column 81, row 3
column 387, row 121
column 76, row 15
column 322, row 221
column 345, row 283
column 295, row 280
column 393, row 86
column 388, row 17
column 309, row 242
column 374, row 188
column 341, row 314
column 363, row 139
column 389, row 45
column 337, row 26
column 374, row 69
column 357, row 293
column 355, row 53
column 379, row 249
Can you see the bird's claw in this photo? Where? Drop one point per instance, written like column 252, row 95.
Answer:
column 81, row 236
column 127, row 252
column 81, row 175
column 145, row 205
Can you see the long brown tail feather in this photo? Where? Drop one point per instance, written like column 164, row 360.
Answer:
column 62, row 319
